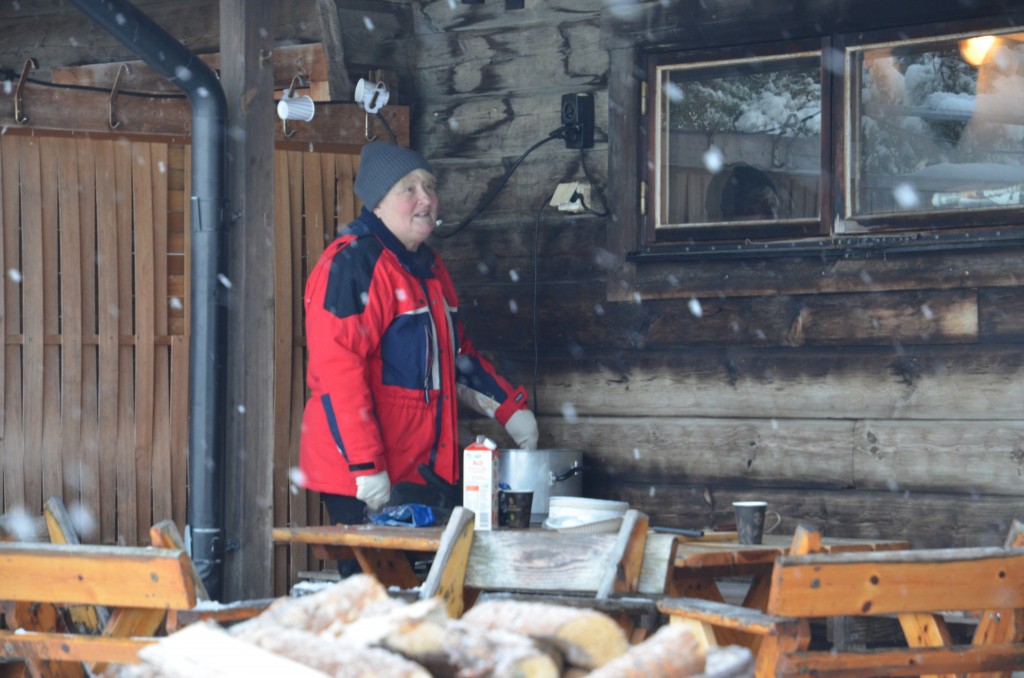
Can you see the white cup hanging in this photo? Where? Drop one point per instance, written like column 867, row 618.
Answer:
column 295, row 108
column 372, row 97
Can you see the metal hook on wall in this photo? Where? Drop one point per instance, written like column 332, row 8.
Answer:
column 19, row 114
column 296, row 82
column 123, row 70
column 366, row 128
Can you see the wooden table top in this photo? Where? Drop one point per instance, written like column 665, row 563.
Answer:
column 425, row 539
column 691, row 552
column 698, row 554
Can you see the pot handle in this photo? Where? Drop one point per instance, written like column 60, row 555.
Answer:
column 576, row 470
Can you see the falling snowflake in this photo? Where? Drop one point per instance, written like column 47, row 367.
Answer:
column 569, row 412
column 713, row 160
column 14, row 274
column 695, row 308
column 296, row 479
column 368, row 22
column 224, row 280
column 514, row 275
column 513, row 306
column 21, row 524
column 906, row 196
column 83, row 520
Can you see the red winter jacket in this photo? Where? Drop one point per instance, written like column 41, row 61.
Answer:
column 387, row 361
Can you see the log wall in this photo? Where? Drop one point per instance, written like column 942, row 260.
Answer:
column 872, row 396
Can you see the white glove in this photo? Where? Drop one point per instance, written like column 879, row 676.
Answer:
column 375, row 490
column 522, row 426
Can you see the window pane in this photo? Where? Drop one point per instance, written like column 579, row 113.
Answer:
column 936, row 131
column 738, row 142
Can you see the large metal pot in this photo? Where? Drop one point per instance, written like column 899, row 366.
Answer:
column 549, row 473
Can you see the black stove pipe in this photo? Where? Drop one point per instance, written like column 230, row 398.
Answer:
column 208, row 343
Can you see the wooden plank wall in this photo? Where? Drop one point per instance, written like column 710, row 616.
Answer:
column 870, row 395
column 93, row 341
column 95, row 313
column 313, row 198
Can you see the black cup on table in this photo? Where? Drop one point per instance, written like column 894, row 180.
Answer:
column 514, row 507
column 750, row 517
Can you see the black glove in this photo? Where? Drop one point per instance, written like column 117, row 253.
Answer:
column 436, row 493
column 451, row 494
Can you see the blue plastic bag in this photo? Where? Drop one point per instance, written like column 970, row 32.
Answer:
column 405, row 515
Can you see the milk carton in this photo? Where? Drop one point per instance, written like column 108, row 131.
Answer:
column 480, row 482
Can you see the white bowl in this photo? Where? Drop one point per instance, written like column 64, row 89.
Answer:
column 582, row 510
column 571, row 525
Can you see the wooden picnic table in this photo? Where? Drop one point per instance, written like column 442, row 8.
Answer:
column 699, row 564
column 381, row 551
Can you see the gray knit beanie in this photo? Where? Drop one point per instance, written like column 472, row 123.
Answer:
column 381, row 165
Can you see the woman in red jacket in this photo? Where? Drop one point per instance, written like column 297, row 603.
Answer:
column 388, row 360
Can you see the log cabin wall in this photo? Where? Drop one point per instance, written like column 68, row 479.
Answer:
column 874, row 395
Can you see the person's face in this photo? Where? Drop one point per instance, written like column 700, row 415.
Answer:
column 409, row 209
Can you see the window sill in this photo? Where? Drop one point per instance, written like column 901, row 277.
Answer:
column 839, row 247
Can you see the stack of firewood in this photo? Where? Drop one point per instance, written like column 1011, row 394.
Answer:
column 355, row 629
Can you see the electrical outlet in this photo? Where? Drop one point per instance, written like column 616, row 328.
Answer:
column 578, row 120
column 567, row 197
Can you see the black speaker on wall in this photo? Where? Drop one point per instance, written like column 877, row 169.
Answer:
column 578, row 120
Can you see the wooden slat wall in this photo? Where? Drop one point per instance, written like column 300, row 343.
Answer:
column 94, row 404
column 95, row 310
column 313, row 199
column 87, row 357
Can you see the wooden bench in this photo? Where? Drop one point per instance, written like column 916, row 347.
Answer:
column 610, row 572
column 128, row 580
column 95, row 619
column 165, row 535
column 918, row 587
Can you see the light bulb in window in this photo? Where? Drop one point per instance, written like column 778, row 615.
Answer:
column 974, row 50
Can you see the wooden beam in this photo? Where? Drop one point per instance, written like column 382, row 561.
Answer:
column 309, row 61
column 337, row 127
column 248, row 88
column 339, row 84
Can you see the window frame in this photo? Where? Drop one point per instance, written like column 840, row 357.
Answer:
column 652, row 235
column 837, row 227
column 924, row 221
